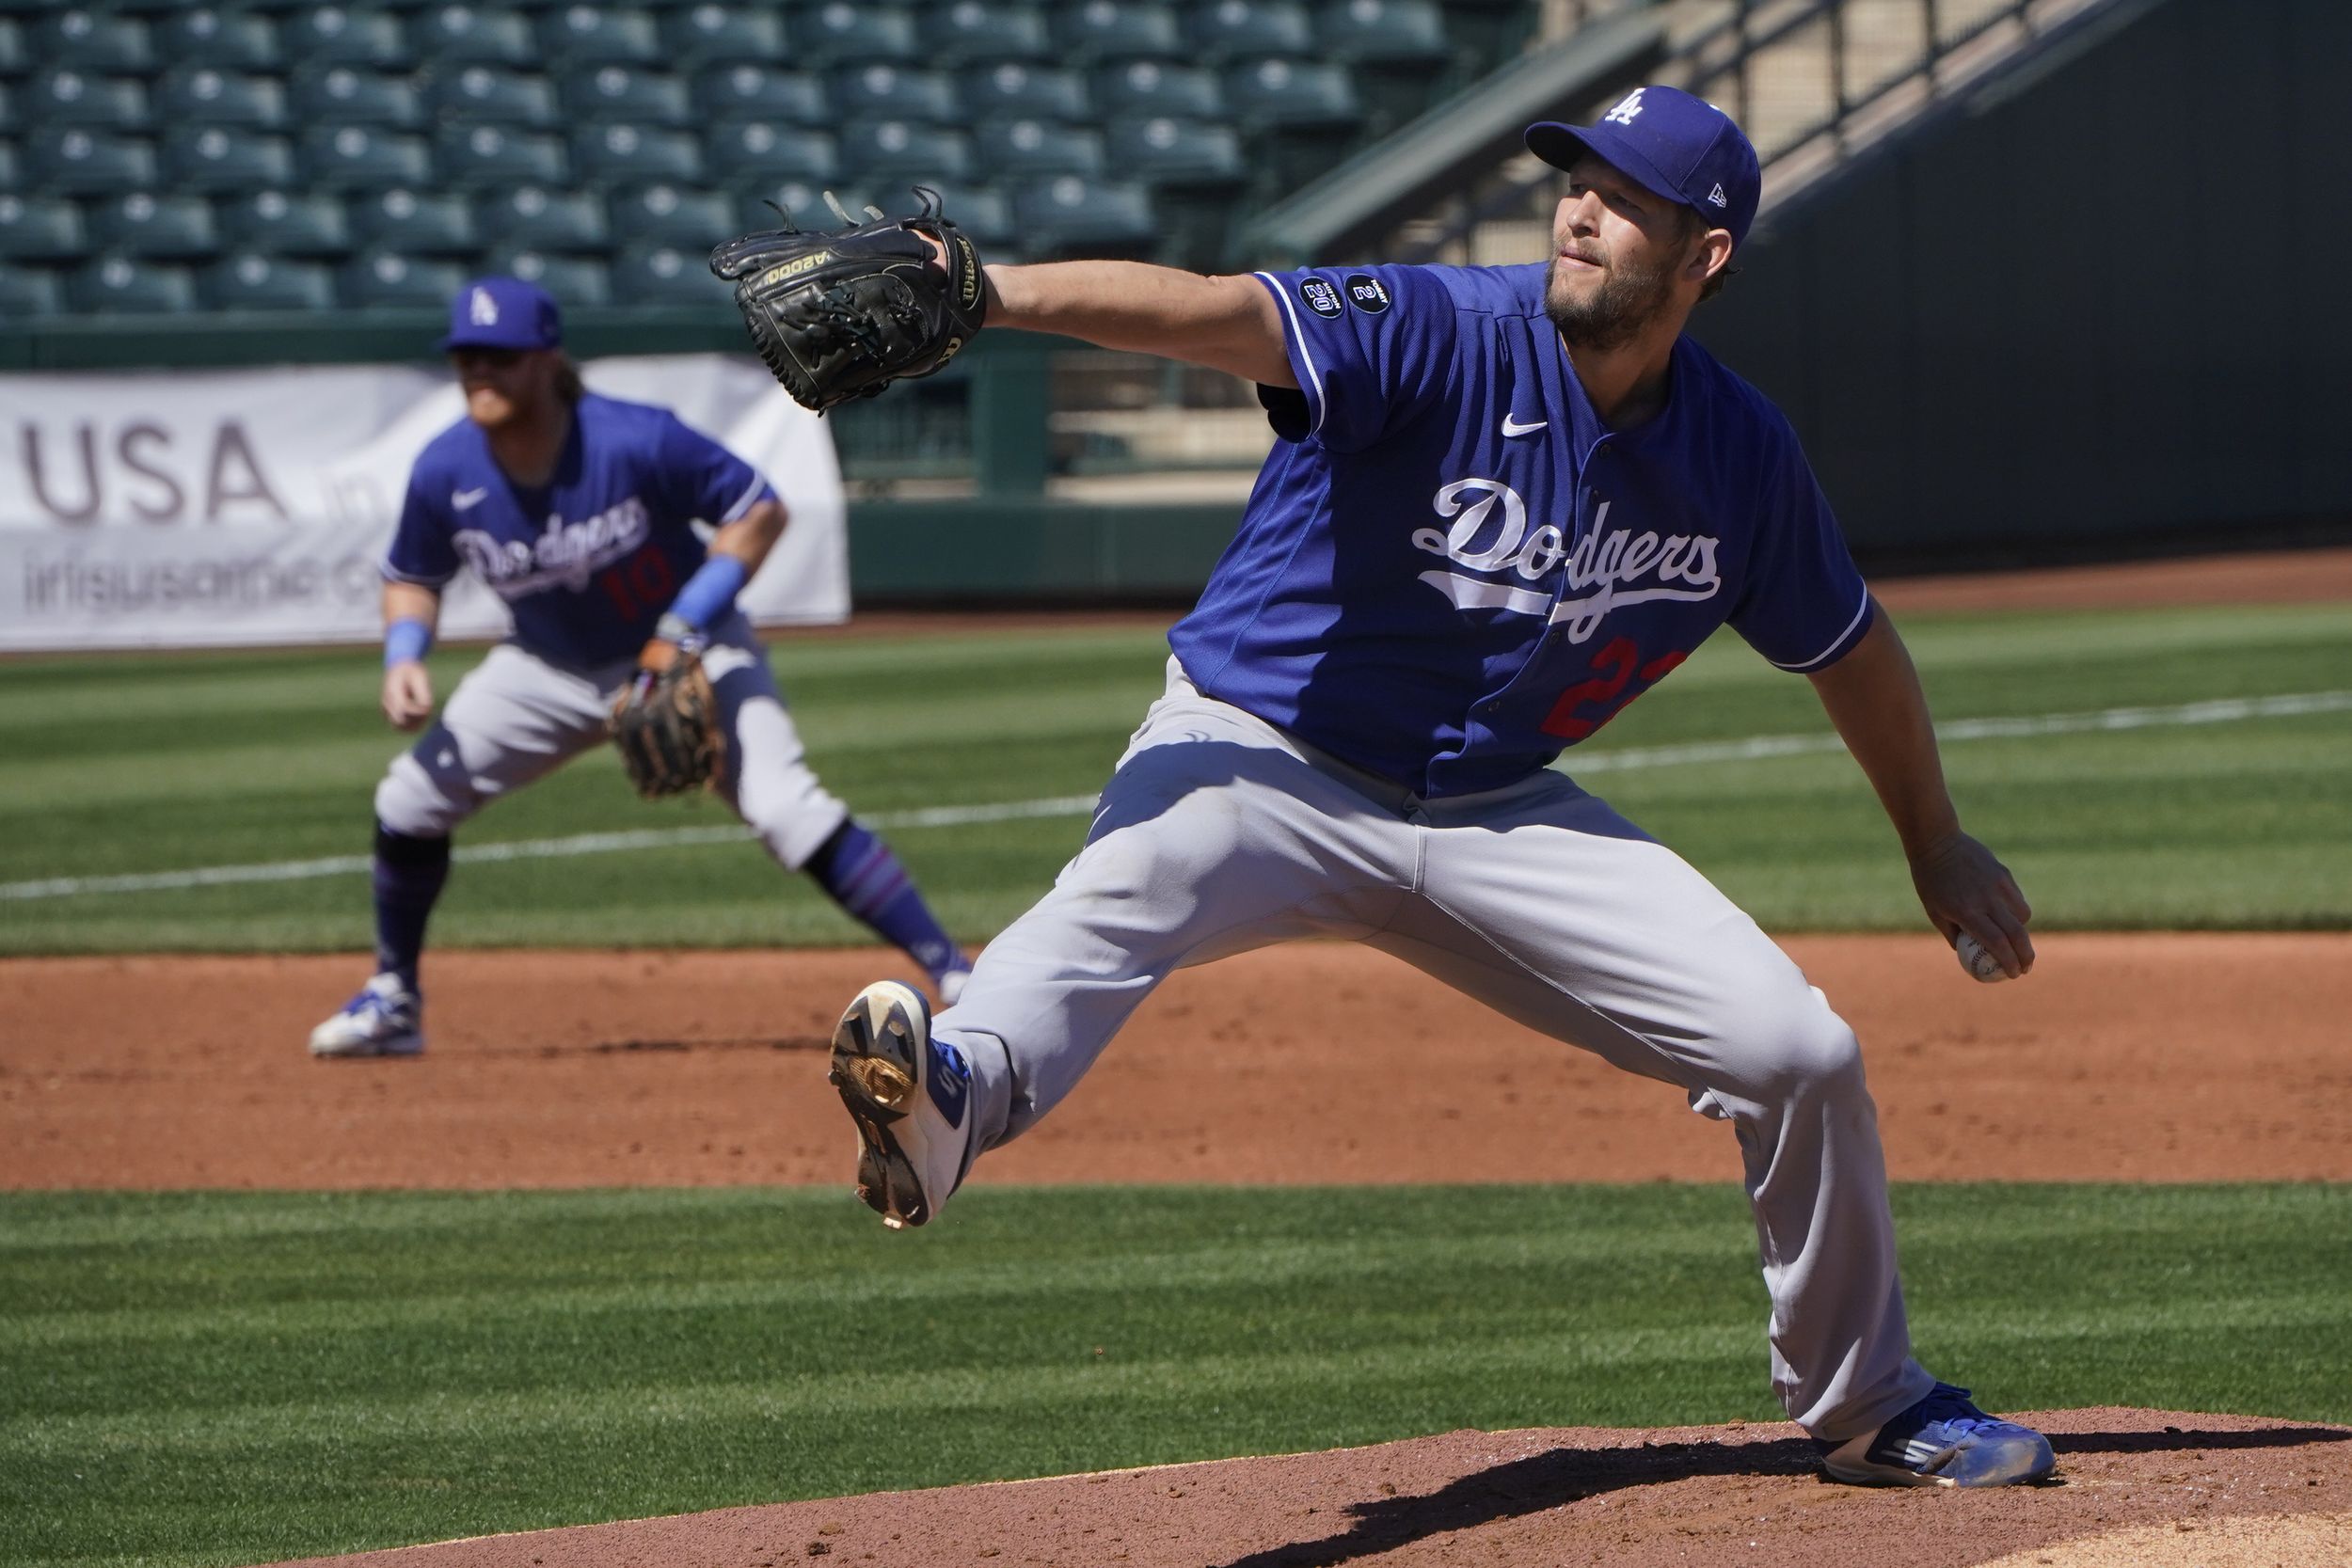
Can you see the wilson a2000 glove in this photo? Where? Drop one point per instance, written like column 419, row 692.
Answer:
column 842, row 314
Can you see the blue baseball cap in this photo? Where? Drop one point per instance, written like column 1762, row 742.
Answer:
column 502, row 313
column 1671, row 145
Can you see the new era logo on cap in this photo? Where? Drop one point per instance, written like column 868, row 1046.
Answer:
column 1679, row 147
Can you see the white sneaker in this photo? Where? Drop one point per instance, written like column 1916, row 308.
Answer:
column 386, row 1018
column 911, row 1097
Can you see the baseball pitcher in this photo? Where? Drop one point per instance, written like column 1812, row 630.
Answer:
column 580, row 511
column 1506, row 502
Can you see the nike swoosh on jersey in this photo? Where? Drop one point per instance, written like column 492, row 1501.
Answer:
column 464, row 500
column 1511, row 426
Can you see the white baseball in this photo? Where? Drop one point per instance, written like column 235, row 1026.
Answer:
column 1976, row 962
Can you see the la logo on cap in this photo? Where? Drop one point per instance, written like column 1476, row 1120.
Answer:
column 1628, row 107
column 484, row 309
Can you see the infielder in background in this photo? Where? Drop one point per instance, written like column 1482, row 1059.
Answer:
column 1504, row 504
column 578, row 510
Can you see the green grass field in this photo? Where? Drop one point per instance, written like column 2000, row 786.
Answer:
column 231, row 1378
column 122, row 766
column 228, row 1378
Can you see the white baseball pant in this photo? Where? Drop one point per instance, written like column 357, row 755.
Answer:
column 516, row 717
column 1220, row 833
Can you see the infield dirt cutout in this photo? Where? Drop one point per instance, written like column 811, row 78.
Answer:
column 2122, row 1057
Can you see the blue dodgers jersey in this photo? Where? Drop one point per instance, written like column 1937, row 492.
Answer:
column 1449, row 570
column 588, row 562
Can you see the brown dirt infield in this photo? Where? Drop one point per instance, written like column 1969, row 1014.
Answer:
column 2142, row 1057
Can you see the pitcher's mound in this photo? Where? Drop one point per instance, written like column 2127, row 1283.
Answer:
column 2143, row 1488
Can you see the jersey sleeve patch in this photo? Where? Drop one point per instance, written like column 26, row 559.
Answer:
column 1370, row 348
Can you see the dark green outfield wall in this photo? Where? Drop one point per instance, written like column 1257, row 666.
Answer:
column 2098, row 305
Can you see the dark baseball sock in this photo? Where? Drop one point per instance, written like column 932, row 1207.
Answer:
column 861, row 875
column 409, row 871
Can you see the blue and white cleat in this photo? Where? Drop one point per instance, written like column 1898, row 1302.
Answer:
column 911, row 1097
column 386, row 1018
column 1942, row 1441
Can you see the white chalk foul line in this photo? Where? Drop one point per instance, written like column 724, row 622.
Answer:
column 2222, row 711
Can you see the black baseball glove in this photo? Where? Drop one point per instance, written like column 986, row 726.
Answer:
column 665, row 723
column 843, row 314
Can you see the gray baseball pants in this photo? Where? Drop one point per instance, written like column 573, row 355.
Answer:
column 516, row 717
column 1220, row 833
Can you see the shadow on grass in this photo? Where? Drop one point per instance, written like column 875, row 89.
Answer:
column 1561, row 1476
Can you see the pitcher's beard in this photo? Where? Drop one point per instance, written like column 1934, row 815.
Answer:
column 1612, row 315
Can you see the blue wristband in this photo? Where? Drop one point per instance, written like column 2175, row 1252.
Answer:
column 405, row 638
column 710, row 592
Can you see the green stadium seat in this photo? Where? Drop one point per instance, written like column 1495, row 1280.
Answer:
column 600, row 34
column 1116, row 30
column 1291, row 93
column 668, row 214
column 117, row 285
column 25, row 293
column 87, row 162
column 1025, row 149
column 474, row 35
column 41, row 229
column 842, row 31
column 204, row 96
column 882, row 91
column 753, row 92
column 224, row 40
column 225, row 158
column 88, row 39
column 706, row 33
column 364, row 157
column 484, row 93
column 288, row 223
column 253, row 282
column 477, row 155
column 758, row 151
column 1012, row 89
column 535, row 219
column 1176, row 152
column 619, row 153
column 884, row 151
column 418, row 223
column 1394, row 32
column 572, row 279
column 15, row 58
column 8, row 123
column 968, row 31
column 1237, row 29
column 155, row 227
column 668, row 275
column 1067, row 215
column 382, row 280
column 343, row 95
column 11, row 172
column 1159, row 87
column 62, row 98
column 334, row 35
column 618, row 92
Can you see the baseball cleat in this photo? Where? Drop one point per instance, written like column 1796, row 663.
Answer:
column 386, row 1018
column 911, row 1097
column 1942, row 1441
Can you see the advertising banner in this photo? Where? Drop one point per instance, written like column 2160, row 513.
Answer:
column 217, row 508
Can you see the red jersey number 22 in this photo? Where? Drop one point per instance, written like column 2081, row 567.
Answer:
column 1603, row 696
